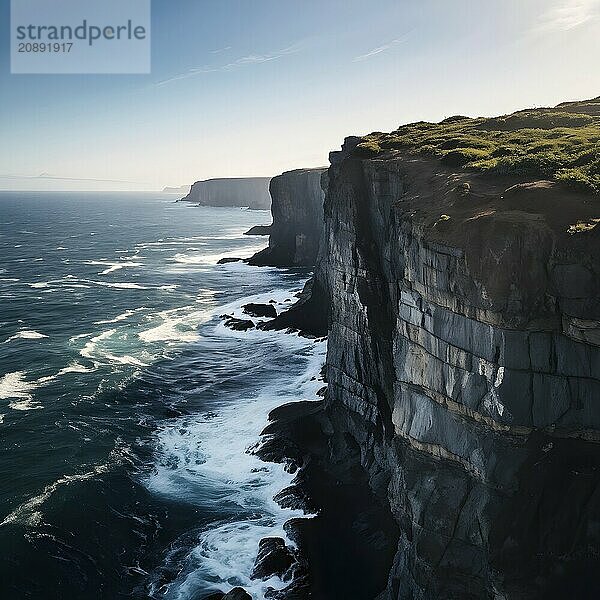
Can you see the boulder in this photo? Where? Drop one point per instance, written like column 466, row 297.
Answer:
column 260, row 310
column 274, row 559
column 239, row 324
column 237, row 593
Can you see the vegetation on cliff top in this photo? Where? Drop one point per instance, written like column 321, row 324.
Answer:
column 561, row 143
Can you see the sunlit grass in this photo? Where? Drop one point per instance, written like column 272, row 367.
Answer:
column 551, row 143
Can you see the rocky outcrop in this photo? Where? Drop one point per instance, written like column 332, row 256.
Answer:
column 297, row 210
column 464, row 368
column 237, row 593
column 259, row 230
column 274, row 559
column 259, row 310
column 251, row 192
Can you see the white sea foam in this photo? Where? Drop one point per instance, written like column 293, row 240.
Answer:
column 89, row 350
column 121, row 285
column 196, row 259
column 14, row 387
column 25, row 405
column 212, row 452
column 112, row 266
column 122, row 317
column 125, row 359
column 74, row 367
column 26, row 335
column 212, row 259
column 107, row 347
column 176, row 325
column 17, row 388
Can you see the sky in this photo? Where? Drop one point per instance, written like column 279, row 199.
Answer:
column 256, row 87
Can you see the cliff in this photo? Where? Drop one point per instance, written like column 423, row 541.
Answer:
column 463, row 362
column 252, row 192
column 297, row 209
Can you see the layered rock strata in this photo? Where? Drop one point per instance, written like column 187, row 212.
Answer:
column 464, row 362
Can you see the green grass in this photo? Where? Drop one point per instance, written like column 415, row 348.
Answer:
column 561, row 144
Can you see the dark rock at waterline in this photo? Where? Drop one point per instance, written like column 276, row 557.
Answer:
column 260, row 310
column 224, row 261
column 308, row 315
column 274, row 559
column 237, row 593
column 239, row 324
column 259, row 230
column 295, row 498
column 347, row 549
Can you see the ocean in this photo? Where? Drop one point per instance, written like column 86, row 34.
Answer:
column 128, row 411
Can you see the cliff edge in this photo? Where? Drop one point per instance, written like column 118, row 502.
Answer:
column 463, row 366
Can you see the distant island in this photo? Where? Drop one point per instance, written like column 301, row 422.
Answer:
column 182, row 189
column 251, row 192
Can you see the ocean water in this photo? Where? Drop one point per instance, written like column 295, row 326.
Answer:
column 128, row 412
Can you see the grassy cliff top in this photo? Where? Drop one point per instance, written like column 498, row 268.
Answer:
column 561, row 143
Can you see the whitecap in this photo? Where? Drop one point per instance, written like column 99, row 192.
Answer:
column 74, row 367
column 89, row 350
column 25, row 405
column 177, row 325
column 95, row 350
column 14, row 386
column 26, row 335
column 122, row 317
column 111, row 267
column 126, row 360
column 120, row 285
column 28, row 513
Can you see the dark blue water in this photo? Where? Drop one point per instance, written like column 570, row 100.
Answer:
column 127, row 409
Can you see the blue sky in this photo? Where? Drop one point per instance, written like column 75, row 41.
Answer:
column 256, row 87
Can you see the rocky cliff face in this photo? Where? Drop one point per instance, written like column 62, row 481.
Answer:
column 297, row 208
column 464, row 366
column 252, row 192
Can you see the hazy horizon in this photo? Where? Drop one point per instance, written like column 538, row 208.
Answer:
column 240, row 90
